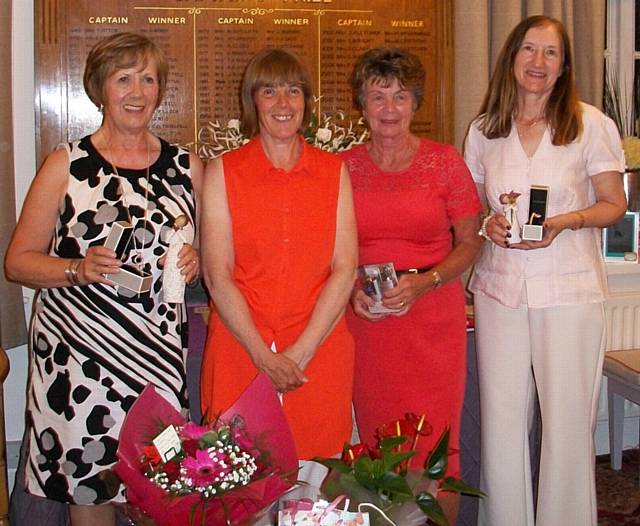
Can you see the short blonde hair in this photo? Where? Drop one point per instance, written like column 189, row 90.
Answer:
column 273, row 67
column 121, row 51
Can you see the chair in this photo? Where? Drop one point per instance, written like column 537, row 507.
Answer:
column 4, row 492
column 622, row 369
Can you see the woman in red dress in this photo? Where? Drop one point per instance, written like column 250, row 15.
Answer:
column 417, row 207
column 279, row 248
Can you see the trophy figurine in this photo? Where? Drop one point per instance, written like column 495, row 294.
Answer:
column 538, row 199
column 510, row 210
column 173, row 281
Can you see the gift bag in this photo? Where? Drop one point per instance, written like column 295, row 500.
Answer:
column 321, row 513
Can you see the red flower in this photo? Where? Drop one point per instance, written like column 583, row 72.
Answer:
column 354, row 452
column 191, row 447
column 242, row 440
column 172, row 470
column 395, row 429
column 411, row 426
column 419, row 423
column 151, row 455
column 193, row 431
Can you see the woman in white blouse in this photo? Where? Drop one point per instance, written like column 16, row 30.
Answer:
column 539, row 304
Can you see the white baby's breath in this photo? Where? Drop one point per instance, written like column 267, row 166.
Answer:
column 330, row 132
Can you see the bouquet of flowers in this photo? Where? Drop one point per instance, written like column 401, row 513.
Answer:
column 334, row 133
column 329, row 132
column 383, row 479
column 228, row 472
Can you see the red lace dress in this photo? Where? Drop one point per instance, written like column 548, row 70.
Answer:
column 414, row 362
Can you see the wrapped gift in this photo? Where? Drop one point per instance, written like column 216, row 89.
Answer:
column 320, row 513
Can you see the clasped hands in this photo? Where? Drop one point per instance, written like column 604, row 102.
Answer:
column 285, row 369
column 99, row 261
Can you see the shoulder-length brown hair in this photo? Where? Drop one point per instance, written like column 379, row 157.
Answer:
column 122, row 51
column 272, row 67
column 563, row 111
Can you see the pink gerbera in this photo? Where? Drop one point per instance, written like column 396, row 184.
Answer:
column 202, row 469
column 193, row 431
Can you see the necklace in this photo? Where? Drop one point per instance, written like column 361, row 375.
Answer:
column 138, row 251
column 524, row 127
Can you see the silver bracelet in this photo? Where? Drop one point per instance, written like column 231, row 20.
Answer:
column 483, row 229
column 71, row 272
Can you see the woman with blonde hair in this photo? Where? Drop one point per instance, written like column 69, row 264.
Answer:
column 95, row 346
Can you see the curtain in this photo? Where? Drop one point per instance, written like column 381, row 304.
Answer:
column 481, row 28
column 12, row 321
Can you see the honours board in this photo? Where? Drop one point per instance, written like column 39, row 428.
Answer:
column 209, row 42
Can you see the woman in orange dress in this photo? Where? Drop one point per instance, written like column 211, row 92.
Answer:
column 280, row 253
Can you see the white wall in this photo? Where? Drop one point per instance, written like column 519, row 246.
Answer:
column 24, row 162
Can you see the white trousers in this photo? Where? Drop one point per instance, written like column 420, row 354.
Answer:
column 559, row 352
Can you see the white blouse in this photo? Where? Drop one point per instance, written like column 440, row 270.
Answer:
column 571, row 269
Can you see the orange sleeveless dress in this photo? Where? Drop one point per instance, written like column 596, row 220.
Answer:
column 284, row 226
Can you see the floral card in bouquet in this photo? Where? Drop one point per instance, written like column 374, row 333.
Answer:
column 374, row 280
column 227, row 473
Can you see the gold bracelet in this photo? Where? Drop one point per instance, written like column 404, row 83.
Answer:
column 437, row 279
column 75, row 271
column 582, row 220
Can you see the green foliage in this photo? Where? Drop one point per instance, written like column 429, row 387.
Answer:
column 333, row 463
column 431, row 508
column 460, row 486
column 381, row 477
column 439, row 458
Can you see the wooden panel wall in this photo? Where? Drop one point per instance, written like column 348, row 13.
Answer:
column 209, row 42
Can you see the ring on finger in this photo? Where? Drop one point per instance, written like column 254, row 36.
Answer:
column 402, row 303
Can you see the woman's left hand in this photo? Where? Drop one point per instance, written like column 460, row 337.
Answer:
column 188, row 263
column 551, row 228
column 299, row 355
column 402, row 297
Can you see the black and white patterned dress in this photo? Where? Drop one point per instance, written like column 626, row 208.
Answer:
column 95, row 347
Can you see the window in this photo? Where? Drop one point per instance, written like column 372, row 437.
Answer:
column 622, row 62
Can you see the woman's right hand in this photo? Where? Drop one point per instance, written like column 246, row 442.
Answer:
column 497, row 228
column 97, row 262
column 360, row 303
column 284, row 373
